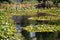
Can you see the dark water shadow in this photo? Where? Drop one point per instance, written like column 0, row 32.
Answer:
column 44, row 14
column 50, row 22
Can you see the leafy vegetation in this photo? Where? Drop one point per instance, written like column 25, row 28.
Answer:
column 5, row 1
column 33, row 13
column 43, row 28
column 33, row 22
column 7, row 28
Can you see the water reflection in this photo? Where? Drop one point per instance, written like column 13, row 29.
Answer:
column 19, row 28
column 32, row 34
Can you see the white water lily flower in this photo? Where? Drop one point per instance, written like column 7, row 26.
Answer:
column 6, row 23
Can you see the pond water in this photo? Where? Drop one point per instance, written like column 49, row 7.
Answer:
column 18, row 27
column 32, row 34
column 17, row 20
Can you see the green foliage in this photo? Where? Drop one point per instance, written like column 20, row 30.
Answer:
column 51, row 19
column 9, row 1
column 7, row 28
column 29, row 1
column 42, row 28
column 53, row 24
column 58, row 1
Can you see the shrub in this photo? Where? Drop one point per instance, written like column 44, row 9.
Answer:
column 7, row 28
